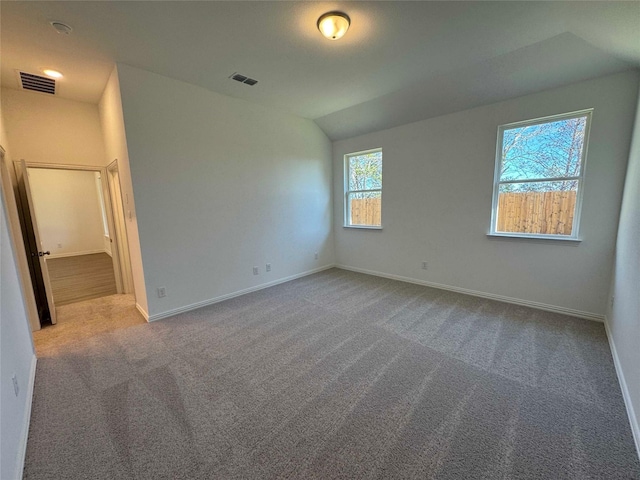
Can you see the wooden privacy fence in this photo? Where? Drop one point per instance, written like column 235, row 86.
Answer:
column 536, row 212
column 365, row 211
column 519, row 212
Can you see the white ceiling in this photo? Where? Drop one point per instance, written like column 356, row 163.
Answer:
column 399, row 62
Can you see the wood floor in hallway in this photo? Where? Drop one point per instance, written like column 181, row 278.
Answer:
column 81, row 277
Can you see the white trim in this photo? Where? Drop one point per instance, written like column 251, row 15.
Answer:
column 363, row 152
column 549, row 118
column 62, row 166
column 633, row 420
column 539, row 180
column 491, row 296
column 117, row 224
column 364, row 227
column 221, row 298
column 553, row 238
column 76, row 254
column 142, row 311
column 22, row 446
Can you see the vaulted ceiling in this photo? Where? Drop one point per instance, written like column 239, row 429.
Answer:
column 399, row 62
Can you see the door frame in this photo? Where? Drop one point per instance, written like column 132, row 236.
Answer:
column 17, row 240
column 38, row 255
column 120, row 224
column 108, row 204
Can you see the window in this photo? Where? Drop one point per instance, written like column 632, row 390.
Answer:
column 363, row 189
column 539, row 176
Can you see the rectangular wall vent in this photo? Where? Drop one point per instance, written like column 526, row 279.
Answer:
column 37, row 83
column 243, row 79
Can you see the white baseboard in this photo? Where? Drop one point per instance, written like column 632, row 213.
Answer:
column 22, row 446
column 194, row 306
column 142, row 311
column 631, row 413
column 77, row 254
column 501, row 298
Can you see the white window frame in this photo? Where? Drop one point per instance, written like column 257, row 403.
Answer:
column 588, row 113
column 347, row 213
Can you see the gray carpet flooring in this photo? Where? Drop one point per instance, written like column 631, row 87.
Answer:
column 335, row 375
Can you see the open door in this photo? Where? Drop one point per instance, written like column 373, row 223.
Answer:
column 40, row 253
column 122, row 243
column 22, row 261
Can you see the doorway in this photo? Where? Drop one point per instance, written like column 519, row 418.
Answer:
column 74, row 245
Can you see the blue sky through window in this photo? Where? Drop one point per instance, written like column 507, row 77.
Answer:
column 543, row 151
column 365, row 171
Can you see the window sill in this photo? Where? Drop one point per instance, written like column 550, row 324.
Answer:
column 537, row 238
column 363, row 227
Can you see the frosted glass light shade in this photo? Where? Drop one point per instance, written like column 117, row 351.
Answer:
column 52, row 73
column 334, row 25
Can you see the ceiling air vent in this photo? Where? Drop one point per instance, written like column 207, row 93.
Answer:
column 243, row 79
column 37, row 83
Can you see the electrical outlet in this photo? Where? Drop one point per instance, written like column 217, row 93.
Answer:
column 162, row 292
column 16, row 387
column 315, row 255
column 255, row 270
column 612, row 299
column 424, row 265
column 59, row 245
column 268, row 267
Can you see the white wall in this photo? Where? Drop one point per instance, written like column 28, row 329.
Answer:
column 222, row 185
column 115, row 141
column 16, row 353
column 48, row 129
column 623, row 317
column 437, row 192
column 68, row 210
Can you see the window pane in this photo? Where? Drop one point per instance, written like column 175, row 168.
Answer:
column 365, row 208
column 542, row 208
column 365, row 171
column 552, row 149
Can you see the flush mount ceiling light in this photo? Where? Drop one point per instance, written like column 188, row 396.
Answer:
column 52, row 73
column 333, row 25
column 62, row 28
